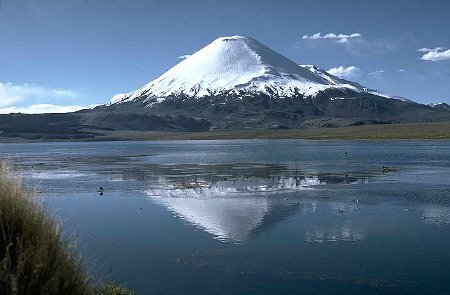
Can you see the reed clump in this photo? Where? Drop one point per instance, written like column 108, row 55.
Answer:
column 34, row 259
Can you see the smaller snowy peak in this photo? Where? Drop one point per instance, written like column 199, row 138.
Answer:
column 442, row 106
column 334, row 80
column 437, row 104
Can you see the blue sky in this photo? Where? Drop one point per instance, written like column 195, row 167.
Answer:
column 60, row 55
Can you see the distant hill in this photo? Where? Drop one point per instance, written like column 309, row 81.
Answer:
column 440, row 106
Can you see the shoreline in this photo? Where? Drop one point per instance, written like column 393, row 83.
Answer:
column 414, row 131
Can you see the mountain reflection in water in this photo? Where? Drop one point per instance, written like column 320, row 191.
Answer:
column 234, row 210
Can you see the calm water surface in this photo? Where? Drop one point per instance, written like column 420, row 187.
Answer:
column 254, row 216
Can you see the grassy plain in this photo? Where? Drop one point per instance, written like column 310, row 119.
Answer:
column 421, row 131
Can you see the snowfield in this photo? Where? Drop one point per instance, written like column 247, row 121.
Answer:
column 239, row 64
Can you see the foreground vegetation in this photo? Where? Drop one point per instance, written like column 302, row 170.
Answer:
column 34, row 259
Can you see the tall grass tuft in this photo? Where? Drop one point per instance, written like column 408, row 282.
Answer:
column 34, row 259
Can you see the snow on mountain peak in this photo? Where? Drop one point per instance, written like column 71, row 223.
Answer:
column 236, row 63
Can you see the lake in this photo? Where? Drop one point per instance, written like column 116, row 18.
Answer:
column 251, row 216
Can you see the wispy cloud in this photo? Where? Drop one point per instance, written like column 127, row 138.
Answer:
column 401, row 70
column 340, row 38
column 378, row 72
column 430, row 49
column 344, row 72
column 43, row 108
column 435, row 54
column 184, row 56
column 355, row 43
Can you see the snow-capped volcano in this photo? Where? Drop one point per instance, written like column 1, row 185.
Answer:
column 238, row 64
column 238, row 83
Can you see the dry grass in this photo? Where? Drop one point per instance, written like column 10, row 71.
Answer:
column 34, row 258
column 417, row 131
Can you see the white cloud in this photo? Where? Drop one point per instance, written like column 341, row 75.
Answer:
column 184, row 56
column 355, row 44
column 435, row 54
column 377, row 72
column 401, row 70
column 340, row 38
column 42, row 108
column 34, row 99
column 344, row 72
column 430, row 49
column 13, row 94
